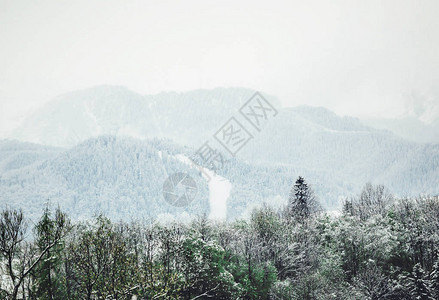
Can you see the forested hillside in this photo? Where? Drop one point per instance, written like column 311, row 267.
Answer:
column 123, row 178
column 337, row 153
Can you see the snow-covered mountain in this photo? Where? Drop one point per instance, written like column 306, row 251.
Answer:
column 338, row 155
column 410, row 128
column 418, row 122
column 108, row 110
column 123, row 178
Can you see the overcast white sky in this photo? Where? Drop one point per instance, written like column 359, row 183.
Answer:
column 354, row 57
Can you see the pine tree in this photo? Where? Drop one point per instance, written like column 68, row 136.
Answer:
column 302, row 202
column 348, row 208
column 434, row 283
column 49, row 281
column 418, row 284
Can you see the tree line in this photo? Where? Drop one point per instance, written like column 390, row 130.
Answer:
column 378, row 247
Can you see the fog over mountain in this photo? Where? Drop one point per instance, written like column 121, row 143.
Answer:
column 409, row 127
column 219, row 149
column 108, row 149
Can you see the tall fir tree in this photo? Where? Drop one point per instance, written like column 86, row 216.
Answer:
column 48, row 277
column 302, row 202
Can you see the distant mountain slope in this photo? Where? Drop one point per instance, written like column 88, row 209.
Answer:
column 122, row 178
column 418, row 121
column 16, row 155
column 107, row 110
column 410, row 128
column 337, row 154
column 353, row 154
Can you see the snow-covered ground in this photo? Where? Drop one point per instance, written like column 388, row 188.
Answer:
column 219, row 191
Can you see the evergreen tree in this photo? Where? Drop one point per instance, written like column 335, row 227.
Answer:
column 49, row 282
column 348, row 208
column 418, row 284
column 434, row 283
column 302, row 201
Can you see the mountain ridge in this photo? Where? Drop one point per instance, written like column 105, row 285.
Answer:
column 336, row 154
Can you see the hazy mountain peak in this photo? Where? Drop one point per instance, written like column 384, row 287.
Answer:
column 329, row 119
column 77, row 116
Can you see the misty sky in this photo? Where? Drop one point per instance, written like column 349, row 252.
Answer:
column 366, row 57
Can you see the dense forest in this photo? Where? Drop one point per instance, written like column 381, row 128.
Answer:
column 378, row 247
